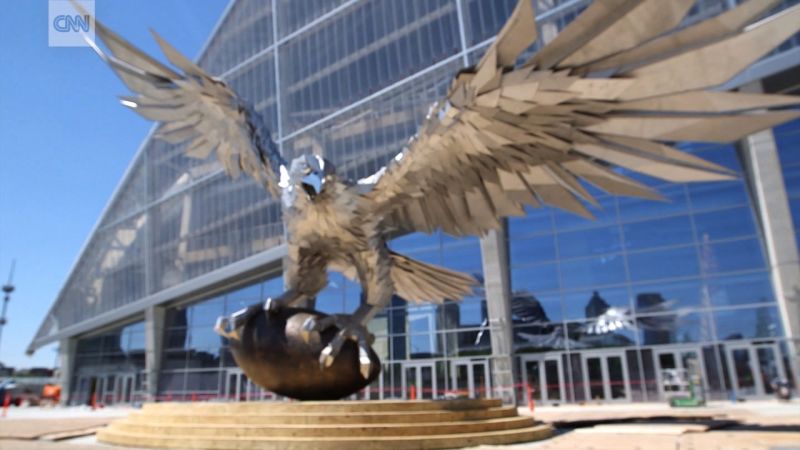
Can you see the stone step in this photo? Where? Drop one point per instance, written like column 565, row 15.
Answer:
column 232, row 416
column 155, row 428
column 440, row 441
column 322, row 406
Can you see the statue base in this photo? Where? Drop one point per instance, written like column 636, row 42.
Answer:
column 369, row 424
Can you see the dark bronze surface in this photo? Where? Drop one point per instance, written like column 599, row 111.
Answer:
column 274, row 355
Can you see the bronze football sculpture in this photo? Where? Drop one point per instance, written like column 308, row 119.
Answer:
column 614, row 89
column 276, row 353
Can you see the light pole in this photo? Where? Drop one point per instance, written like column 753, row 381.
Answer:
column 8, row 288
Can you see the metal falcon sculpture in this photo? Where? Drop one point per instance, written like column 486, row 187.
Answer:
column 613, row 89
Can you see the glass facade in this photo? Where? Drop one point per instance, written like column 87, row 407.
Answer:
column 787, row 136
column 110, row 367
column 600, row 307
column 196, row 360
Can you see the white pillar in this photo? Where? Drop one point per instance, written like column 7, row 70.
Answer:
column 768, row 188
column 154, row 346
column 66, row 367
column 494, row 253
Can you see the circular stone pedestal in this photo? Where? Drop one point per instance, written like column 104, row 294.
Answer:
column 345, row 425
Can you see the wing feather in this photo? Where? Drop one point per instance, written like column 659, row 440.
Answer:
column 533, row 134
column 195, row 108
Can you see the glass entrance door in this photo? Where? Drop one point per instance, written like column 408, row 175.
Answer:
column 545, row 376
column 471, row 377
column 680, row 360
column 419, row 381
column 606, row 376
column 123, row 388
column 753, row 367
column 239, row 388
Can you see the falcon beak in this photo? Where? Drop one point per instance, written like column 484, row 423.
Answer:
column 312, row 184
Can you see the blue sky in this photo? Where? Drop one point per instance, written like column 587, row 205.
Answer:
column 65, row 143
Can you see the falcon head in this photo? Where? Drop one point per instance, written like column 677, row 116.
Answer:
column 309, row 174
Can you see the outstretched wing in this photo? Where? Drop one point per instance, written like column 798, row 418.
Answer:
column 195, row 108
column 613, row 89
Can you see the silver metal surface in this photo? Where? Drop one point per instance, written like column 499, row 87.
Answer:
column 507, row 135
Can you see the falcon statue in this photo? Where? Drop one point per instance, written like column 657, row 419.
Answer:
column 615, row 89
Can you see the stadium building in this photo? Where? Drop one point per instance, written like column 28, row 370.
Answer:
column 578, row 310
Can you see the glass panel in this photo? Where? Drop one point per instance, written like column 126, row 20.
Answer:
column 128, row 388
column 411, row 380
column 761, row 322
column 667, row 361
column 593, row 241
column 606, row 215
column 591, row 304
column 593, row 272
column 479, row 380
column 232, row 391
column 658, row 233
column 604, row 332
column 743, row 372
column 462, row 379
column 552, row 381
column 576, row 377
column 768, row 367
column 631, row 209
column 426, row 378
column 362, row 50
column 667, row 296
column 616, row 377
column 541, row 308
column 739, row 290
column 674, row 328
column 595, row 374
column 533, row 379
column 670, row 263
column 535, row 221
column 706, row 196
column 535, row 279
column 532, row 250
column 724, row 224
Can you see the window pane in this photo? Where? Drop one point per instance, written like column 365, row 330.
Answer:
column 538, row 309
column 658, row 233
column 653, row 265
column 593, row 272
column 724, row 224
column 535, row 279
column 605, row 215
column 594, row 241
column 740, row 290
column 732, row 256
column 463, row 258
column 654, row 298
column 706, row 196
column 207, row 312
column 587, row 304
column 674, row 328
column 589, row 335
column 763, row 322
column 535, row 221
column 202, row 381
column 634, row 208
column 536, row 249
column 538, row 338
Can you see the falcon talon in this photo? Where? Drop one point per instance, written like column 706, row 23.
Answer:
column 326, row 357
column 309, row 327
column 271, row 306
column 365, row 364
